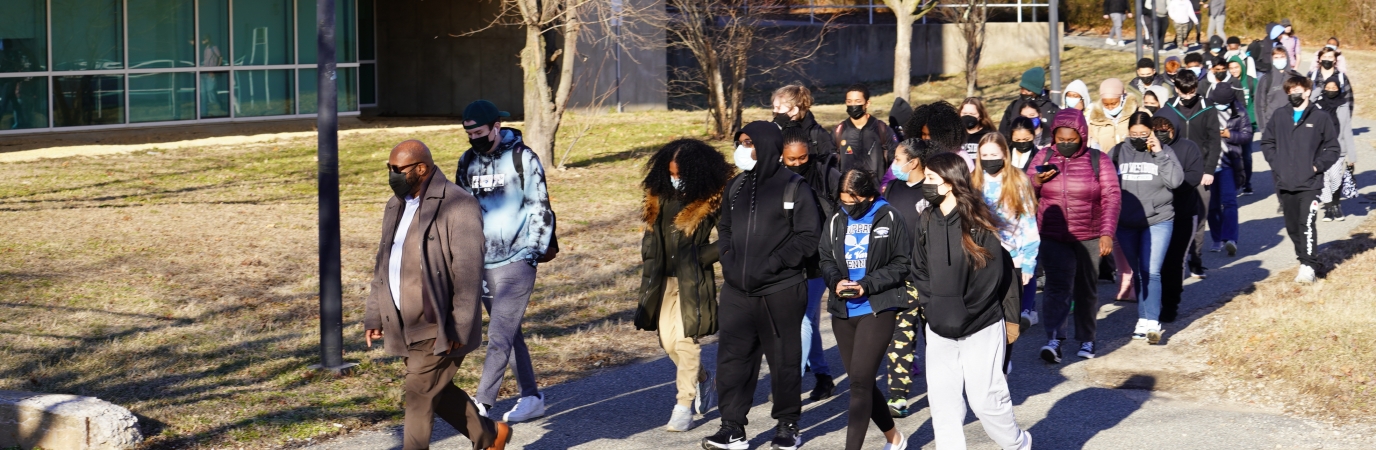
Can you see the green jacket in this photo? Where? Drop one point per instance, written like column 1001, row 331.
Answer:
column 696, row 254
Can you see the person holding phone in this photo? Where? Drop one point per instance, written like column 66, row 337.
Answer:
column 864, row 257
column 1148, row 173
column 1077, row 188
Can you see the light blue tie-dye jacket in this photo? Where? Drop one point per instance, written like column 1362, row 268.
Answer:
column 517, row 219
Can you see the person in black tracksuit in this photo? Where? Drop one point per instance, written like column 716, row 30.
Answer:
column 1300, row 142
column 862, row 140
column 864, row 249
column 821, row 175
column 1198, row 123
column 765, row 239
column 1186, row 203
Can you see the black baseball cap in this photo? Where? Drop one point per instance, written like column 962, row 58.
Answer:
column 482, row 112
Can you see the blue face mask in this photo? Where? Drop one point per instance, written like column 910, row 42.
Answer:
column 898, row 172
column 676, row 182
column 1195, row 71
column 1119, row 109
column 1036, row 122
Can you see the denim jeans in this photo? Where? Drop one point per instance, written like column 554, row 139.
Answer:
column 1145, row 249
column 1223, row 207
column 813, row 354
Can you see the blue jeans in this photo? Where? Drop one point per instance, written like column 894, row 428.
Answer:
column 1223, row 207
column 813, row 355
column 1029, row 294
column 1145, row 249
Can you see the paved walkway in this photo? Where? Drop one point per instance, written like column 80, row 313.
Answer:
column 626, row 408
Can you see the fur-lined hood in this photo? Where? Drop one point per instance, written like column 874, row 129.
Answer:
column 1097, row 116
column 686, row 221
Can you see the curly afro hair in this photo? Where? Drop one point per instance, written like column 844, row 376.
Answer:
column 702, row 168
column 944, row 126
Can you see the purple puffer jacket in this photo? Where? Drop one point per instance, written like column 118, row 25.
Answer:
column 1072, row 206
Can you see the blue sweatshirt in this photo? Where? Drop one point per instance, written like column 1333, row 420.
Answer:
column 857, row 254
column 517, row 219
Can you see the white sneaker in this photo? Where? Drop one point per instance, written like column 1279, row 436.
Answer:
column 482, row 410
column 901, row 445
column 526, row 408
column 1231, row 247
column 1122, row 43
column 1306, row 275
column 1110, row 41
column 681, row 419
column 1154, row 332
column 1031, row 317
column 1140, row 331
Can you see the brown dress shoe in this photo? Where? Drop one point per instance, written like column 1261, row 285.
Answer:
column 503, row 436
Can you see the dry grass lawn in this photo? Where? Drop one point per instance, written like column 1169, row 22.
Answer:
column 182, row 283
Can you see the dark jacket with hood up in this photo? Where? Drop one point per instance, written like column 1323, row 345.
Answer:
column 1074, row 205
column 956, row 298
column 1187, row 199
column 762, row 251
column 1045, row 108
column 1300, row 151
column 824, row 178
column 886, row 264
column 694, row 255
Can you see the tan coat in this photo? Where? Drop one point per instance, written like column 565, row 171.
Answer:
column 1109, row 131
column 452, row 265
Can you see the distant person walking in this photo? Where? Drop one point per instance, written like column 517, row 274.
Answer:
column 1116, row 10
column 1334, row 95
column 905, row 195
column 678, row 287
column 1300, row 143
column 1218, row 13
column 792, row 106
column 430, row 319
column 509, row 182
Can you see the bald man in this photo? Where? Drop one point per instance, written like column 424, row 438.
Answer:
column 1108, row 117
column 425, row 301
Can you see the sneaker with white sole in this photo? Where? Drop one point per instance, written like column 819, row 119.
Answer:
column 1051, row 352
column 526, row 408
column 1110, row 41
column 707, row 394
column 681, row 419
column 482, row 409
column 786, row 437
column 1217, row 247
column 1231, row 247
column 1306, row 275
column 901, row 445
column 1031, row 317
column 1140, row 331
column 1086, row 350
column 728, row 437
column 1154, row 333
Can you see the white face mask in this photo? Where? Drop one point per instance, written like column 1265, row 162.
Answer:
column 1280, row 63
column 1072, row 102
column 743, row 159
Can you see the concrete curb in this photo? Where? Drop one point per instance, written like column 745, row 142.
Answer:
column 61, row 422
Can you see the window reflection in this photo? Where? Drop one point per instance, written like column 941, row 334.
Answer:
column 88, row 100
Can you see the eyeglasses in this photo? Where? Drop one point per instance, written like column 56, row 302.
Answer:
column 400, row 169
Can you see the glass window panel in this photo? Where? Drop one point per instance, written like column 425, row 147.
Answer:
column 161, row 97
column 24, row 36
column 162, row 33
column 214, row 95
column 263, row 33
column 87, row 34
column 23, row 103
column 214, row 33
column 344, row 35
column 346, row 84
column 88, row 100
column 367, row 84
column 367, row 49
column 263, row 92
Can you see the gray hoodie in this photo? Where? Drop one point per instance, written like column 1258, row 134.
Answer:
column 1146, row 180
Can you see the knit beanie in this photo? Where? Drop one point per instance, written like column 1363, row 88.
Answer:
column 1033, row 79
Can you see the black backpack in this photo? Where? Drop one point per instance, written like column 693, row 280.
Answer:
column 790, row 194
column 553, row 249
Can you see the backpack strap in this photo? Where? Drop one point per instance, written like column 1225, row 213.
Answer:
column 791, row 196
column 518, row 164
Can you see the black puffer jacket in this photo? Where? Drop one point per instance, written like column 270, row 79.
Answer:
column 956, row 298
column 1300, row 151
column 694, row 256
column 886, row 265
column 762, row 250
column 1045, row 108
column 1115, row 7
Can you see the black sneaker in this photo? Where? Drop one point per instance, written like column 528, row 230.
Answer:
column 729, row 436
column 1051, row 352
column 825, row 387
column 1247, row 190
column 786, row 437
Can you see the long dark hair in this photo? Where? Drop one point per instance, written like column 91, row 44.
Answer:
column 860, row 183
column 702, row 169
column 974, row 214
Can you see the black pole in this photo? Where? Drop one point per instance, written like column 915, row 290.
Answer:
column 1055, row 51
column 1137, row 10
column 327, row 152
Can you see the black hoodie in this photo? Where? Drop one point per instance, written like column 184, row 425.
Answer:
column 1186, row 200
column 1198, row 124
column 956, row 298
column 819, row 143
column 1300, row 151
column 762, row 251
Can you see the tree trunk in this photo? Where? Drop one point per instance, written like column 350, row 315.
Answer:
column 538, row 133
column 903, row 54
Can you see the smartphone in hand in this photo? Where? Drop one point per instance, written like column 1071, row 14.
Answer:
column 1046, row 168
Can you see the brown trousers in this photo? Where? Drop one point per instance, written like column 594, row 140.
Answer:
column 430, row 390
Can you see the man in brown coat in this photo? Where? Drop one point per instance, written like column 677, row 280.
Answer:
column 425, row 296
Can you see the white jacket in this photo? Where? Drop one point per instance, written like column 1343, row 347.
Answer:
column 1181, row 11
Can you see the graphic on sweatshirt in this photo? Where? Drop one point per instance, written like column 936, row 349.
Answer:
column 1139, row 171
column 517, row 219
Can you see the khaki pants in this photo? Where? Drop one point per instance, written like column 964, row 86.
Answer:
column 683, row 351
column 430, row 391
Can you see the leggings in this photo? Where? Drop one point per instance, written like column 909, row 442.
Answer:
column 862, row 341
column 902, row 354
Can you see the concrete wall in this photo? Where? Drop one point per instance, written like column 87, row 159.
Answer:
column 644, row 73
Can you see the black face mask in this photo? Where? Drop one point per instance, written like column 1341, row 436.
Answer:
column 930, row 193
column 1146, row 81
column 1220, row 75
column 1138, row 143
column 1326, row 64
column 1331, row 94
column 784, row 121
column 857, row 210
column 802, row 169
column 1067, row 148
column 482, row 144
column 1163, row 136
column 991, row 166
column 1026, row 97
column 1021, row 147
column 1153, row 109
column 1189, row 102
column 1296, row 100
column 969, row 121
column 401, row 183
column 855, row 111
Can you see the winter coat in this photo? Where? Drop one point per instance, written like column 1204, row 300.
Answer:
column 1073, row 205
column 517, row 219
column 1300, row 151
column 1147, row 180
column 1292, row 47
column 1239, row 135
column 764, row 246
column 819, row 142
column 693, row 256
column 1045, row 108
column 1344, row 86
column 825, row 181
column 886, row 265
column 450, row 221
column 1115, row 7
column 1270, row 94
column 1199, row 125
column 870, row 147
column 1341, row 110
column 957, row 299
column 1109, row 131
column 1187, row 200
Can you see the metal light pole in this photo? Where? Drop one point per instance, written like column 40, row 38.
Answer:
column 1137, row 9
column 1055, row 49
column 327, row 152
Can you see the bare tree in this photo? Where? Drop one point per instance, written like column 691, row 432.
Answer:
column 970, row 16
column 724, row 36
column 907, row 12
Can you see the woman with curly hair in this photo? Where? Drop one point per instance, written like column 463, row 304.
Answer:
column 678, row 289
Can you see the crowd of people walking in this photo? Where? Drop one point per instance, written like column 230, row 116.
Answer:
column 923, row 237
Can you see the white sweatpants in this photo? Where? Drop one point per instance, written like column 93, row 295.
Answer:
column 972, row 364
